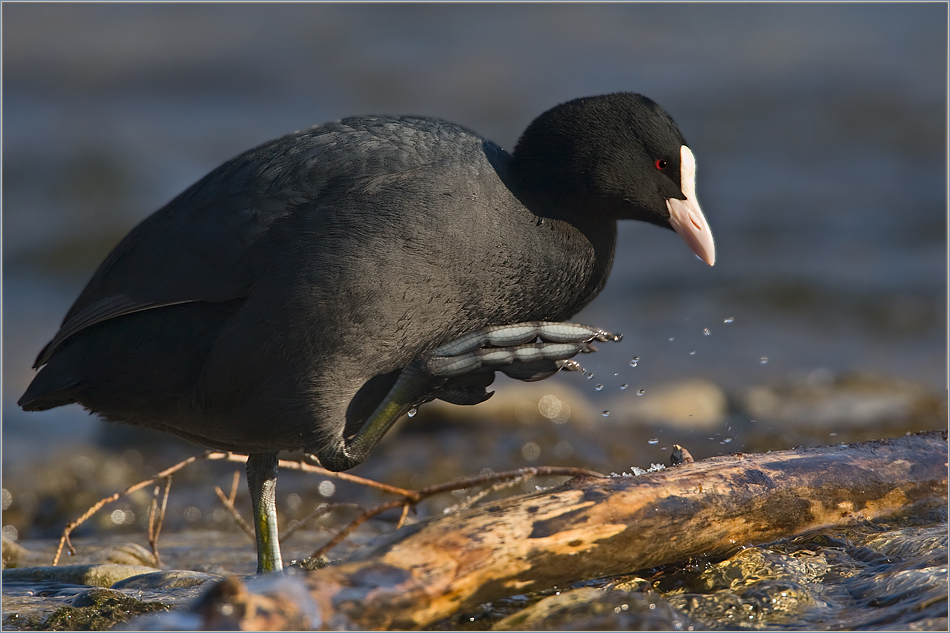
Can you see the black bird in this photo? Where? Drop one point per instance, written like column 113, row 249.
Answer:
column 307, row 293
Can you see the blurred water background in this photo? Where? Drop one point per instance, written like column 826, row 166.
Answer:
column 820, row 133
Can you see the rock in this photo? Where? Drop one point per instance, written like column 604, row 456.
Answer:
column 693, row 404
column 15, row 555
column 98, row 609
column 92, row 575
column 131, row 554
column 164, row 580
column 821, row 400
column 95, row 597
column 265, row 603
column 588, row 608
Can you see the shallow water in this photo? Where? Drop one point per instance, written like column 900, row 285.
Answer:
column 819, row 132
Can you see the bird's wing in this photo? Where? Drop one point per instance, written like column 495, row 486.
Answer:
column 215, row 240
column 202, row 246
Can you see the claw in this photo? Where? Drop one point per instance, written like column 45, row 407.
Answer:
column 570, row 365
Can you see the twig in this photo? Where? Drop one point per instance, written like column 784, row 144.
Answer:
column 155, row 526
column 310, row 467
column 407, row 498
column 402, row 517
column 235, row 514
column 234, row 486
column 152, row 510
column 323, row 508
column 501, row 485
column 64, row 540
column 358, row 521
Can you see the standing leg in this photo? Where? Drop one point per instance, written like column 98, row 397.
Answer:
column 262, row 483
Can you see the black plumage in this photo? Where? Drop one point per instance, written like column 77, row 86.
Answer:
column 274, row 303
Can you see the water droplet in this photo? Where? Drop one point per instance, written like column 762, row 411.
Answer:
column 728, row 320
column 671, row 338
column 634, row 361
column 641, row 392
column 726, row 440
column 692, row 353
column 624, row 386
column 653, row 441
column 833, row 434
column 763, row 360
column 599, row 388
column 589, row 376
column 606, row 414
column 412, row 412
column 706, row 331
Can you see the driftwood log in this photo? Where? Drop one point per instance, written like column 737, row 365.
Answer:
column 592, row 527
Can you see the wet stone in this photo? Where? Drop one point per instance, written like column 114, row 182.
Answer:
column 166, row 580
column 849, row 401
column 98, row 609
column 91, row 575
column 693, row 404
column 93, row 597
column 587, row 608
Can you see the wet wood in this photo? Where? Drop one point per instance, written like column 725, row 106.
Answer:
column 592, row 527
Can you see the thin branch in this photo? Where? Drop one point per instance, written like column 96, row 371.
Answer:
column 323, row 508
column 152, row 510
column 402, row 518
column 310, row 467
column 229, row 505
column 501, row 485
column 64, row 540
column 235, row 481
column 155, row 526
column 407, row 498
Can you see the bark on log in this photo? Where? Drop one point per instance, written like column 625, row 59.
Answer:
column 597, row 527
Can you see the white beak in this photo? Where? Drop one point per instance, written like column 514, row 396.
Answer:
column 686, row 217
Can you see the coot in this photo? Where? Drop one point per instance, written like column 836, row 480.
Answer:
column 307, row 293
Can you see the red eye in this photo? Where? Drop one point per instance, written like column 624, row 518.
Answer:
column 661, row 164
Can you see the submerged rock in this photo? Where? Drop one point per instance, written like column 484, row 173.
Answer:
column 693, row 404
column 590, row 609
column 104, row 575
column 852, row 401
column 166, row 580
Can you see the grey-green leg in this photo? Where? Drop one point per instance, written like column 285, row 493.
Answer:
column 459, row 371
column 262, row 483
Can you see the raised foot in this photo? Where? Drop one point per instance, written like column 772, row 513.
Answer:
column 525, row 351
column 459, row 372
